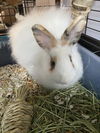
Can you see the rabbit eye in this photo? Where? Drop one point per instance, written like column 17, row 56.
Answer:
column 52, row 63
column 70, row 57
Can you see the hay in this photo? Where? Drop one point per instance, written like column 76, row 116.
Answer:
column 73, row 110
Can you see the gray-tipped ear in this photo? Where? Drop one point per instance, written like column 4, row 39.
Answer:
column 43, row 37
column 73, row 32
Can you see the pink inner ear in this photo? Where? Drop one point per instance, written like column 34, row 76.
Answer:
column 44, row 40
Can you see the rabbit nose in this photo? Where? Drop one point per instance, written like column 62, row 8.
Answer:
column 62, row 82
column 63, row 79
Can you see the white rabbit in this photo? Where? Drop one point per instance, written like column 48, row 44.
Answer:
column 40, row 44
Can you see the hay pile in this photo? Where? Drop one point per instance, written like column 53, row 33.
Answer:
column 73, row 110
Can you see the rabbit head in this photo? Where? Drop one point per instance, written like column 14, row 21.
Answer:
column 60, row 65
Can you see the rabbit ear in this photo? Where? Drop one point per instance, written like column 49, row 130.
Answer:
column 43, row 37
column 72, row 34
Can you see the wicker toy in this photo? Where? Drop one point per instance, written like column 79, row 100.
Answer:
column 81, row 7
column 18, row 115
column 8, row 15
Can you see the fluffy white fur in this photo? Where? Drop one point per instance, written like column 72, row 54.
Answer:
column 36, row 60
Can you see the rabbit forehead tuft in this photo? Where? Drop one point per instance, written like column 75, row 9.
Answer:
column 61, row 50
column 55, row 20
